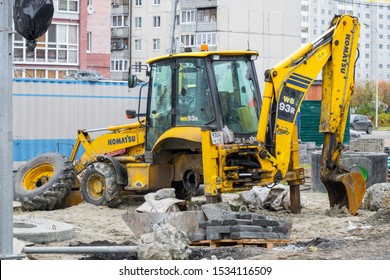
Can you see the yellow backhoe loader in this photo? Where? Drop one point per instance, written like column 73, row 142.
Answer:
column 206, row 123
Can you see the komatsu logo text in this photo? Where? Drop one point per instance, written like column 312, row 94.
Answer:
column 344, row 61
column 121, row 140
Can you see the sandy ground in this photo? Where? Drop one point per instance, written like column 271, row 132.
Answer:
column 315, row 235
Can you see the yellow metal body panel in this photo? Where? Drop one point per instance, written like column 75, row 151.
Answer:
column 192, row 134
column 286, row 85
column 204, row 54
column 126, row 139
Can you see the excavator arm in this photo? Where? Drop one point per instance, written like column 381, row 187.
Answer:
column 286, row 85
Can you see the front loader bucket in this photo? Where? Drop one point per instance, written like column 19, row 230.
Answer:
column 346, row 190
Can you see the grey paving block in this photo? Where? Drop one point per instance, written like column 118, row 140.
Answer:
column 233, row 222
column 251, row 216
column 196, row 237
column 264, row 222
column 249, row 228
column 231, row 215
column 280, row 229
column 254, row 235
column 215, row 232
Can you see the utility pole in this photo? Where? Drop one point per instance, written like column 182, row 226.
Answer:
column 172, row 41
column 6, row 155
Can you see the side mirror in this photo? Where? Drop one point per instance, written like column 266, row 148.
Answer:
column 131, row 114
column 132, row 81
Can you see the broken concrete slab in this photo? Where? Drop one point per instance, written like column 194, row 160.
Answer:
column 164, row 243
column 215, row 211
column 187, row 221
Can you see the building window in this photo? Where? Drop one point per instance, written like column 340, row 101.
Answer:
column 137, row 44
column 137, row 68
column 380, row 65
column 187, row 40
column 156, row 2
column 156, row 44
column 380, row 26
column 119, row 43
column 367, row 35
column 207, row 15
column 206, row 38
column 367, row 15
column 156, row 21
column 58, row 46
column 177, row 20
column 89, row 41
column 367, row 46
column 120, row 21
column 367, row 55
column 138, row 22
column 138, row 3
column 381, row 46
column 188, row 16
column 68, row 6
column 119, row 65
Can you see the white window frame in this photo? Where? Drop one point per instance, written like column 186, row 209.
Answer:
column 188, row 16
column 137, row 68
column 209, row 38
column 138, row 3
column 156, row 21
column 137, row 22
column 63, row 51
column 156, row 2
column 137, row 45
column 67, row 6
column 190, row 38
column 89, row 42
column 156, row 44
column 124, row 21
column 119, row 65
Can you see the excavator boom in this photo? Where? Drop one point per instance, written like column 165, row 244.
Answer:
column 334, row 53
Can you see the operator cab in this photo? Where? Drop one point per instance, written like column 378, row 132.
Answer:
column 214, row 89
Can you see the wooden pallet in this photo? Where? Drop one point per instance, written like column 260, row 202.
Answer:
column 266, row 243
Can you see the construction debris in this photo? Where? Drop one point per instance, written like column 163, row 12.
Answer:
column 164, row 243
column 377, row 196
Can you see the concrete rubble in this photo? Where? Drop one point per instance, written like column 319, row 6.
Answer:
column 164, row 243
column 377, row 196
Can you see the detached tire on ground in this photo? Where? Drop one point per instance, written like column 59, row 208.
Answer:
column 99, row 185
column 43, row 182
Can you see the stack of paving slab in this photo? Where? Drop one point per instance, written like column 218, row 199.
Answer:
column 244, row 226
column 222, row 225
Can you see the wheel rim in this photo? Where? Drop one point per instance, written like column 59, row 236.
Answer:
column 37, row 176
column 95, row 187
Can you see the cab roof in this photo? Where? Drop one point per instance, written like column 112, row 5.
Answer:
column 204, row 54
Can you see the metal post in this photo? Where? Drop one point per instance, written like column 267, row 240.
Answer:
column 6, row 157
column 376, row 75
column 172, row 41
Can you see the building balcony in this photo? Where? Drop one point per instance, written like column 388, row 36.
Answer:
column 120, row 32
column 206, row 26
column 206, row 3
column 118, row 9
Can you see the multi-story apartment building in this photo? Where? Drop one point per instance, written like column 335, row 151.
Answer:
column 374, row 42
column 120, row 34
column 269, row 26
column 76, row 40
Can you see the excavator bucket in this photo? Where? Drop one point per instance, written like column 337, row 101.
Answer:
column 346, row 189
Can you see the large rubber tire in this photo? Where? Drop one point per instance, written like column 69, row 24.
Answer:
column 99, row 185
column 369, row 129
column 43, row 182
